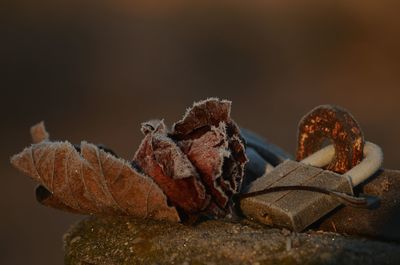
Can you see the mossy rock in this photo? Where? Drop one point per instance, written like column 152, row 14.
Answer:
column 118, row 240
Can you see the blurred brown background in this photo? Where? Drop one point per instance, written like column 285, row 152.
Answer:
column 95, row 70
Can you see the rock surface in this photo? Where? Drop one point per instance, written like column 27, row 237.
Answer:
column 119, row 240
column 122, row 240
column 383, row 222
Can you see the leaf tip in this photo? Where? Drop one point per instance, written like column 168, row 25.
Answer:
column 39, row 133
column 23, row 162
column 14, row 159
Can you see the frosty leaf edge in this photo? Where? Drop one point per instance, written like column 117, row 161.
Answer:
column 91, row 181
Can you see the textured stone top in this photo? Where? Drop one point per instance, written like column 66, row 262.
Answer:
column 129, row 241
column 121, row 240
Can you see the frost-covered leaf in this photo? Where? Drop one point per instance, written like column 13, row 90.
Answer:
column 158, row 156
column 212, row 142
column 91, row 181
column 197, row 168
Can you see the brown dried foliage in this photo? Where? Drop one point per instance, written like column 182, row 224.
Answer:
column 194, row 169
column 91, row 182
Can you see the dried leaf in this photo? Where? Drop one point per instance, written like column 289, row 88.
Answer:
column 197, row 168
column 207, row 153
column 39, row 133
column 158, row 156
column 202, row 115
column 92, row 181
column 200, row 164
column 212, row 142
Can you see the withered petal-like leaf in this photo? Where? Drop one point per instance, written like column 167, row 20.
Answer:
column 93, row 181
column 207, row 154
column 212, row 142
column 193, row 128
column 234, row 169
column 206, row 113
column 159, row 157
